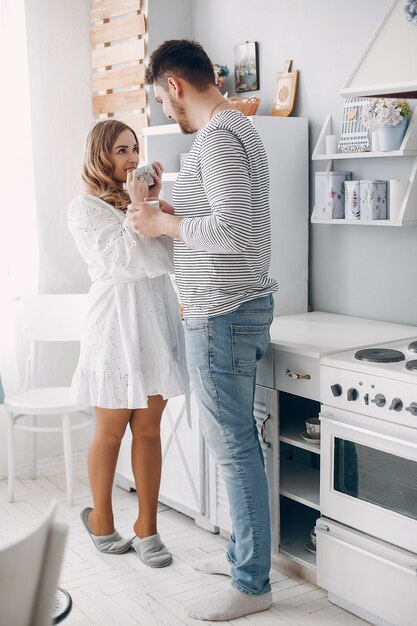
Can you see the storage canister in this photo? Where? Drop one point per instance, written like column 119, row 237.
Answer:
column 352, row 200
column 373, row 199
column 330, row 194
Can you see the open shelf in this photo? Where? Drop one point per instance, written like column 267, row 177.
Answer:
column 294, row 410
column 296, row 523
column 341, row 222
column 363, row 155
column 408, row 211
column 300, row 483
column 291, row 434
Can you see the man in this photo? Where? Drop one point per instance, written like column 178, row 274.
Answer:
column 221, row 226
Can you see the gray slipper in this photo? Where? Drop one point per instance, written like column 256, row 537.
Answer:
column 109, row 544
column 152, row 551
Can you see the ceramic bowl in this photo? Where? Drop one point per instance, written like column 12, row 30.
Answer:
column 313, row 427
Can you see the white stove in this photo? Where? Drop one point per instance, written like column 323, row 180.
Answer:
column 380, row 381
column 367, row 535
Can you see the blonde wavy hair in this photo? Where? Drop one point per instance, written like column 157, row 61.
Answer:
column 97, row 171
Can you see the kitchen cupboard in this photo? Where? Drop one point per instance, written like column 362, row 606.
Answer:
column 408, row 152
column 286, row 145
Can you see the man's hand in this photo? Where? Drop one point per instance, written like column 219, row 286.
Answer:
column 145, row 220
column 150, row 221
column 166, row 207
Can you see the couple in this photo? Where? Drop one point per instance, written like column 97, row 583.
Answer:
column 133, row 355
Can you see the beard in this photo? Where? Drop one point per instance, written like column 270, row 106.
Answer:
column 181, row 118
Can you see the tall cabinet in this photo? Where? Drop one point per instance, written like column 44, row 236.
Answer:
column 191, row 481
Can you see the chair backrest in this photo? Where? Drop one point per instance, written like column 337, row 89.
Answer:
column 29, row 571
column 54, row 317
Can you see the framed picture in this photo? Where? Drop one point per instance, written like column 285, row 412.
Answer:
column 246, row 66
column 354, row 135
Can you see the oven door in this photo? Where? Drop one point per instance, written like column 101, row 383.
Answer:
column 368, row 477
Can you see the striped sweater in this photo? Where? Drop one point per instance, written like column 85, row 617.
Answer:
column 222, row 194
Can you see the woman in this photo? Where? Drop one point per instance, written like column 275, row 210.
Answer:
column 132, row 352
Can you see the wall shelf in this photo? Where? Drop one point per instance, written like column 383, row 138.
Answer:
column 343, row 222
column 408, row 211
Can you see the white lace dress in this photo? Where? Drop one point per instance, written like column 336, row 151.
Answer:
column 133, row 344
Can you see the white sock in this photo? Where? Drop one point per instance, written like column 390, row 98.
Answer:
column 228, row 604
column 214, row 565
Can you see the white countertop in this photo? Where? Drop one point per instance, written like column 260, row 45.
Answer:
column 315, row 334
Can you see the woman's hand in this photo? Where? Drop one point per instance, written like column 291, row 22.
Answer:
column 155, row 190
column 137, row 187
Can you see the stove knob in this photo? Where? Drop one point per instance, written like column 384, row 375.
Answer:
column 352, row 394
column 336, row 390
column 396, row 405
column 412, row 408
column 379, row 400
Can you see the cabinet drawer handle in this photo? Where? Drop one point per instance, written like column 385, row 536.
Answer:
column 296, row 376
column 263, row 430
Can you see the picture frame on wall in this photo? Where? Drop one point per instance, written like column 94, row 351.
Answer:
column 246, row 59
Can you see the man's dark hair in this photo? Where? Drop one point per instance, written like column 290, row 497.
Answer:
column 184, row 58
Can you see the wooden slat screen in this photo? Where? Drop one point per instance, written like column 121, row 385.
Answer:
column 117, row 60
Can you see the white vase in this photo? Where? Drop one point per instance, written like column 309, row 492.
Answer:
column 391, row 137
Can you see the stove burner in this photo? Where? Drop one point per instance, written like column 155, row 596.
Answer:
column 379, row 355
column 413, row 346
column 411, row 365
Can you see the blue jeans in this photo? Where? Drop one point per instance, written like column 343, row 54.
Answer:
column 222, row 355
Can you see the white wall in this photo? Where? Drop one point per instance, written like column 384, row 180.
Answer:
column 167, row 19
column 58, row 33
column 364, row 271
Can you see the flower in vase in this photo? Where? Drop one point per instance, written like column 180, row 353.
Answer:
column 220, row 73
column 385, row 112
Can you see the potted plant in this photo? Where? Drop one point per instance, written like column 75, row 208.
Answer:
column 390, row 116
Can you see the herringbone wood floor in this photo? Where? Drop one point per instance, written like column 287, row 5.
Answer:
column 108, row 590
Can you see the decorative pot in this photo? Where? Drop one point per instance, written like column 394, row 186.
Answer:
column 391, row 137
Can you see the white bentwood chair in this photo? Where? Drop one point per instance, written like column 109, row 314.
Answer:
column 29, row 571
column 46, row 318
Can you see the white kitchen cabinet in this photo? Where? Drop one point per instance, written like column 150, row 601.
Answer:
column 299, row 484
column 286, row 145
column 408, row 212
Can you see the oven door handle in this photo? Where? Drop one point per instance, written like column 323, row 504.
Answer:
column 411, row 571
column 331, row 419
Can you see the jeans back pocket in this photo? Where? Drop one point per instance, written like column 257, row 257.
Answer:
column 249, row 344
